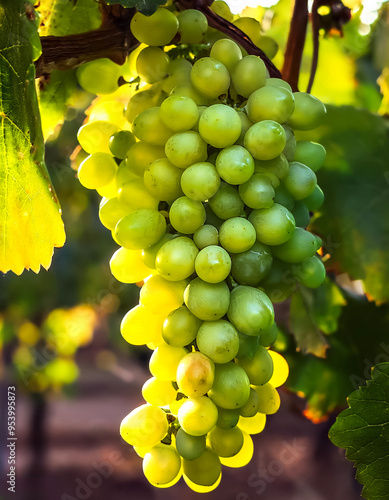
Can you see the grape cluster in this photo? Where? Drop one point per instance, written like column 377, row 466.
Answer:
column 208, row 194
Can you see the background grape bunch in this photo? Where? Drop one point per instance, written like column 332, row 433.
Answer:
column 208, row 194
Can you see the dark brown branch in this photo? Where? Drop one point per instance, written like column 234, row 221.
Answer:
column 230, row 30
column 295, row 45
column 113, row 40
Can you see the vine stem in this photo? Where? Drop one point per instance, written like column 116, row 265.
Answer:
column 295, row 44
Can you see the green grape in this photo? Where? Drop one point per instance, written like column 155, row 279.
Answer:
column 259, row 367
column 273, row 225
column 300, row 181
column 205, row 236
column 163, row 180
column 141, row 155
column 197, row 416
column 97, row 170
column 278, row 82
column 187, row 215
column 187, row 89
column 226, row 442
column 144, row 426
column 134, row 195
column 213, row 264
column 269, row 399
column 143, row 100
column 250, row 408
column 301, row 214
column 152, row 64
column 149, row 127
column 179, row 113
column 281, row 369
column 110, row 190
column 189, row 447
column 204, row 470
column 311, row 272
column 315, row 200
column 227, row 52
column 250, row 311
column 178, row 72
column 290, row 144
column 319, row 242
column 274, row 180
column 247, row 345
column 220, row 126
column 299, row 247
column 175, row 260
column 120, row 142
column 210, row 77
column 140, row 327
column 222, row 9
column 218, row 340
column 268, row 337
column 207, row 301
column 252, row 425
column 108, row 111
column 244, row 456
column 248, row 75
column 311, row 154
column 192, row 25
column 164, row 361
column 265, row 140
column 212, row 218
column 111, row 211
column 283, row 197
column 195, row 127
column 94, row 136
column 251, row 27
column 127, row 266
column 237, row 235
column 161, row 464
column 279, row 283
column 268, row 45
column 246, row 124
column 195, row 374
column 258, row 192
column 309, row 112
column 227, row 418
column 158, row 29
column 158, row 392
column 186, row 148
column 250, row 267
column 226, row 203
column 160, row 295
column 140, row 229
column 200, row 181
column 270, row 103
column 235, row 165
column 231, row 387
column 180, row 327
column 149, row 254
column 99, row 77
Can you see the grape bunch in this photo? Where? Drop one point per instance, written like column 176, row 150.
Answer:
column 209, row 195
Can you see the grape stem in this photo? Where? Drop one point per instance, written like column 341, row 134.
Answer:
column 113, row 40
column 230, row 30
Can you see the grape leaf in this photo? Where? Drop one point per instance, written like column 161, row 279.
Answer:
column 56, row 93
column 65, row 17
column 30, row 216
column 147, row 7
column 363, row 430
column 326, row 383
column 313, row 312
column 354, row 220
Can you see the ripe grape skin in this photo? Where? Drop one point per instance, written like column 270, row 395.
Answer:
column 226, row 203
column 237, row 235
column 300, row 181
column 259, row 367
column 265, row 140
column 219, row 340
column 200, row 181
column 176, row 259
column 231, row 387
column 152, row 64
column 135, row 428
column 235, row 165
column 186, row 148
column 197, row 416
column 192, row 26
column 248, row 75
column 301, row 246
column 157, row 29
column 189, row 447
column 226, row 442
column 213, row 264
column 311, row 154
column 180, row 327
column 179, row 113
column 274, row 225
column 220, row 126
column 204, row 470
column 89, row 76
column 250, row 267
column 161, row 464
column 227, row 52
column 207, row 301
column 270, row 103
column 187, row 215
column 195, row 374
column 309, row 112
column 163, row 180
column 210, row 77
column 140, row 229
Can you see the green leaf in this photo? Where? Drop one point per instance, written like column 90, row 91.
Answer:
column 360, row 342
column 68, row 17
column 363, row 430
column 354, row 220
column 313, row 312
column 56, row 93
column 147, row 7
column 30, row 215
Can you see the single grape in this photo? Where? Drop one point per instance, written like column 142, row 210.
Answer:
column 259, row 367
column 257, row 192
column 195, row 374
column 139, row 326
column 187, row 215
column 158, row 29
column 97, row 170
column 237, row 235
column 178, row 72
column 89, row 76
column 250, row 408
column 149, row 127
column 274, row 225
column 120, row 142
column 219, row 340
column 270, row 103
column 269, row 399
column 311, row 272
column 299, row 247
column 222, row 9
column 265, row 140
column 175, row 260
column 247, row 345
column 197, row 416
column 140, row 229
column 94, row 137
column 134, row 195
column 127, row 266
column 300, row 181
column 149, row 254
column 220, row 125
column 163, row 180
column 309, row 112
column 252, row 425
column 210, row 77
column 111, row 211
column 189, row 447
column 244, row 456
column 200, row 181
column 143, row 100
column 268, row 337
column 205, row 236
column 164, row 361
column 192, row 25
column 162, row 296
column 158, row 392
column 268, row 45
column 207, row 301
column 187, row 89
column 161, row 464
column 179, row 113
column 144, row 426
column 152, row 64
column 315, row 200
column 186, row 148
column 278, row 82
column 250, row 267
column 140, row 156
column 213, row 264
column 248, row 75
column 180, row 327
column 235, row 165
column 204, row 470
column 231, row 387
column 226, row 442
column 226, row 203
column 227, row 52
column 250, row 26
column 227, row 419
